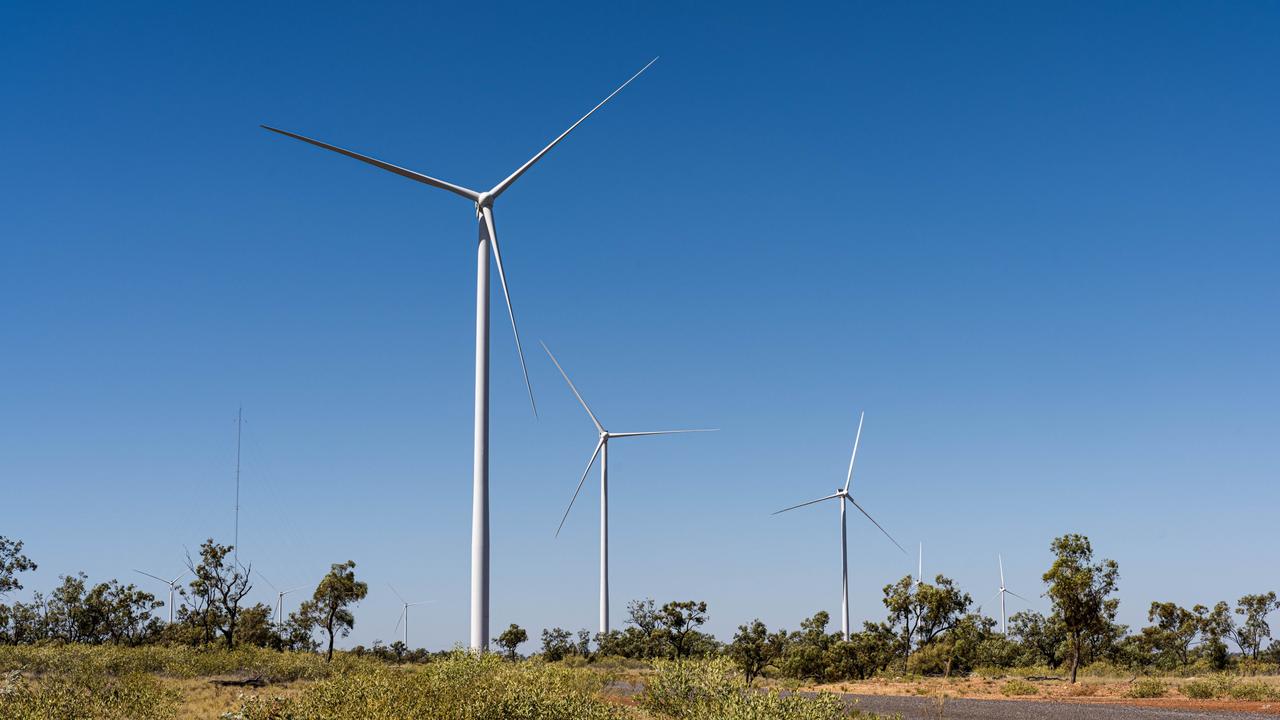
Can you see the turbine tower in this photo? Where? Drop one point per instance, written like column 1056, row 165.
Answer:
column 404, row 613
column 601, row 449
column 488, row 239
column 920, row 566
column 1004, row 628
column 279, row 596
column 841, row 495
column 173, row 587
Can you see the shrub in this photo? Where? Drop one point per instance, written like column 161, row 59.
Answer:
column 1200, row 689
column 79, row 695
column 1019, row 687
column 1253, row 690
column 1147, row 688
column 714, row 690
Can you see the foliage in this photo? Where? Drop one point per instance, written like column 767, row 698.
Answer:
column 220, row 584
column 715, row 690
column 1080, row 591
column 1254, row 631
column 1224, row 687
column 1018, row 688
column 460, row 686
column 754, row 649
column 512, row 638
column 81, row 695
column 12, row 562
column 920, row 612
column 1147, row 688
column 329, row 607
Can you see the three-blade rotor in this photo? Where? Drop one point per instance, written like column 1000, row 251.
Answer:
column 605, row 435
column 483, row 202
column 843, row 493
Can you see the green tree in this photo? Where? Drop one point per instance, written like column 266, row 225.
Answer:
column 512, row 638
column 12, row 562
column 221, row 584
column 754, row 648
column 1215, row 627
column 918, row 613
column 1172, row 634
column 806, row 652
column 1080, row 591
column 557, row 643
column 1042, row 639
column 256, row 629
column 1254, row 630
column 329, row 606
column 679, row 622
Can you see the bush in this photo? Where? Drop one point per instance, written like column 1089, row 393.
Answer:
column 461, row 686
column 714, row 690
column 81, row 695
column 1147, row 688
column 1200, row 689
column 1253, row 690
column 1019, row 688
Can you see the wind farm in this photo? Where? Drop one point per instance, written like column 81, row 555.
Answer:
column 1034, row 245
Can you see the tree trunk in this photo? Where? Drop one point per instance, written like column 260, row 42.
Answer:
column 329, row 656
column 1075, row 663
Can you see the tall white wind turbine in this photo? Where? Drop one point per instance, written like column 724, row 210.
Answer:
column 279, row 596
column 173, row 587
column 1004, row 628
column 841, row 495
column 602, row 449
column 483, row 202
column 404, row 613
column 920, row 566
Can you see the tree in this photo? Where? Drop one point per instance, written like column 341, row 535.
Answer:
column 805, row 656
column 754, row 648
column 1174, row 632
column 1041, row 638
column 1254, row 631
column 679, row 622
column 919, row 613
column 1079, row 590
column 220, row 583
column 1215, row 626
column 328, row 607
column 255, row 628
column 557, row 643
column 512, row 638
column 12, row 562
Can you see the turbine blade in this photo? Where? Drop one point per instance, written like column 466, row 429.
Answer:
column 574, row 388
column 1001, row 561
column 176, row 579
column 264, row 577
column 856, row 439
column 399, row 620
column 393, row 589
column 166, row 582
column 502, row 277
column 660, row 432
column 502, row 186
column 590, row 462
column 425, row 179
column 873, row 522
column 421, row 602
column 1018, row 596
column 793, row 507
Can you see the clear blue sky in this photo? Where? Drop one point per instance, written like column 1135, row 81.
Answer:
column 1036, row 242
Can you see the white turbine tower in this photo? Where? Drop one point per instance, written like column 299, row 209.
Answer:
column 404, row 613
column 483, row 202
column 841, row 495
column 601, row 449
column 920, row 567
column 1004, row 628
column 173, row 587
column 279, row 596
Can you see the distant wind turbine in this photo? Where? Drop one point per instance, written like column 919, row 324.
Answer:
column 920, row 567
column 173, row 587
column 1004, row 628
column 279, row 596
column 404, row 613
column 841, row 495
column 601, row 449
column 483, row 202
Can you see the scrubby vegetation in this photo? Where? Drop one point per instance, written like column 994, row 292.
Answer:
column 102, row 651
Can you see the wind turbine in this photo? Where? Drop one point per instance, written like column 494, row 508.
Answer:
column 404, row 613
column 1004, row 628
column 483, row 202
column 601, row 449
column 279, row 596
column 841, row 495
column 173, row 587
column 920, row 567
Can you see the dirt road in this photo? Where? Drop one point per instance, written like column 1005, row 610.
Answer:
column 924, row 708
